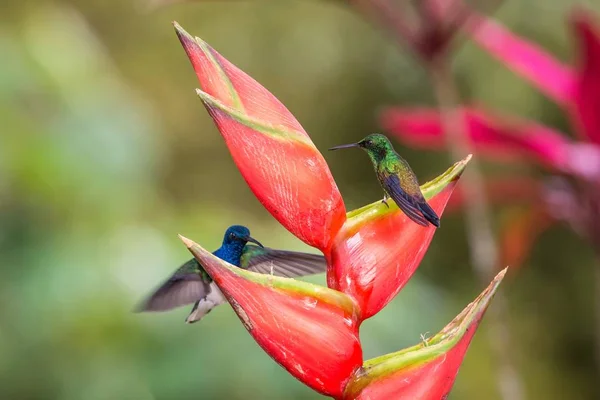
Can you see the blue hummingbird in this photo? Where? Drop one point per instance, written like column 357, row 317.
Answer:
column 192, row 284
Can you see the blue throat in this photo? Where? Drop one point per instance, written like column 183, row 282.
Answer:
column 230, row 252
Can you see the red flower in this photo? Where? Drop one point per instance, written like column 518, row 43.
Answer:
column 310, row 330
column 577, row 89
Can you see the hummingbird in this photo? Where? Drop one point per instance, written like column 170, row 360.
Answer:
column 191, row 284
column 397, row 179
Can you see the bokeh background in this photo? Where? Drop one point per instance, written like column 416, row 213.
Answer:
column 106, row 154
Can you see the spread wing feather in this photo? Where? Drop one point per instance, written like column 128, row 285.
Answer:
column 185, row 286
column 288, row 264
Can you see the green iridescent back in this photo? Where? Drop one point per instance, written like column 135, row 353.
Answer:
column 192, row 267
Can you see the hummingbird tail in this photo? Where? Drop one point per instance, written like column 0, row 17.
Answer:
column 414, row 206
column 197, row 314
column 429, row 214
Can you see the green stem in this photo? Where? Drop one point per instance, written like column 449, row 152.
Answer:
column 483, row 250
column 596, row 295
column 387, row 13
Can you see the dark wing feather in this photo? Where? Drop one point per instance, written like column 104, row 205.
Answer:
column 186, row 286
column 429, row 214
column 416, row 209
column 288, row 264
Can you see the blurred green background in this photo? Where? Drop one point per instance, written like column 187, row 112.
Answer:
column 106, row 154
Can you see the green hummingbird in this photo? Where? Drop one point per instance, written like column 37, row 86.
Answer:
column 191, row 284
column 397, row 179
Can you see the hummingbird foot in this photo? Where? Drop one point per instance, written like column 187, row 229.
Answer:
column 384, row 201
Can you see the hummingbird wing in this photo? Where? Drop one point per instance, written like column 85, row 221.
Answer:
column 415, row 207
column 188, row 284
column 288, row 264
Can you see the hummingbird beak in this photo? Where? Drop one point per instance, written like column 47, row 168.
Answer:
column 252, row 240
column 345, row 146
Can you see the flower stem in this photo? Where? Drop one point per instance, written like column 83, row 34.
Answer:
column 597, row 311
column 483, row 250
column 386, row 13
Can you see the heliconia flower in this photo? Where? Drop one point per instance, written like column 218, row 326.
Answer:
column 310, row 330
column 379, row 248
column 426, row 371
column 288, row 174
column 276, row 157
column 313, row 331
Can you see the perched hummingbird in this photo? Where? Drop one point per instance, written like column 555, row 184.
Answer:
column 397, row 179
column 192, row 284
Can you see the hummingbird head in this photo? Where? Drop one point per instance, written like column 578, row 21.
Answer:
column 238, row 235
column 376, row 145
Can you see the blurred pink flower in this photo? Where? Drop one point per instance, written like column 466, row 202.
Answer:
column 574, row 195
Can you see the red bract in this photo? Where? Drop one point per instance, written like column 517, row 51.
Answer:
column 379, row 248
column 290, row 177
column 310, row 330
column 276, row 157
column 426, row 371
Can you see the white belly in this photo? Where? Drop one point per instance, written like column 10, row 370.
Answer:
column 212, row 299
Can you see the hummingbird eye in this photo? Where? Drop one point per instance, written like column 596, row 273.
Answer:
column 232, row 236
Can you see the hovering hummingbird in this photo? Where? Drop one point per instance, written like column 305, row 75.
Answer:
column 397, row 179
column 192, row 284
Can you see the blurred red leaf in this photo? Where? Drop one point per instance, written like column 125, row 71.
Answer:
column 527, row 59
column 276, row 157
column 310, row 330
column 587, row 90
column 426, row 371
column 496, row 136
column 379, row 248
